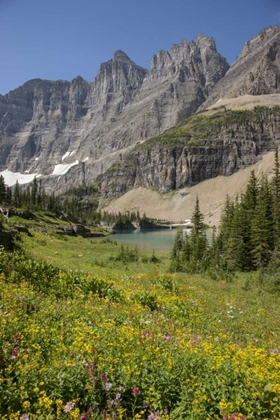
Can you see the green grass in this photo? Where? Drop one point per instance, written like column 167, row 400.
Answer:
column 80, row 329
column 90, row 255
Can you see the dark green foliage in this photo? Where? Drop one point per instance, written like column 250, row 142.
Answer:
column 127, row 255
column 2, row 189
column 45, row 277
column 248, row 236
column 146, row 299
column 190, row 253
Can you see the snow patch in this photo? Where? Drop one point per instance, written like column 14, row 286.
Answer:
column 62, row 169
column 11, row 178
column 36, row 158
column 85, row 159
column 67, row 154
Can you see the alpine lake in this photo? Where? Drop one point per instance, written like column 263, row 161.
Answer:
column 151, row 239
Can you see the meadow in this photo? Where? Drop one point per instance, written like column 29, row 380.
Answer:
column 85, row 334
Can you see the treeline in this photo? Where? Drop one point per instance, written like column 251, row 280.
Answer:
column 248, row 237
column 80, row 202
column 33, row 197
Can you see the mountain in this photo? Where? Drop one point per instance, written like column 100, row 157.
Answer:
column 256, row 71
column 188, row 119
column 69, row 132
column 238, row 122
column 207, row 145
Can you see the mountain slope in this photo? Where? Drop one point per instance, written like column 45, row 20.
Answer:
column 204, row 146
column 256, row 71
column 178, row 205
column 72, row 131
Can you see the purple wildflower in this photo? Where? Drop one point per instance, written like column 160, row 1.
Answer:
column 107, row 386
column 24, row 417
column 15, row 352
column 68, row 407
column 154, row 416
column 117, row 398
column 135, row 392
column 103, row 377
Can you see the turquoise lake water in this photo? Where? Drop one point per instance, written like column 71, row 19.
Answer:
column 147, row 240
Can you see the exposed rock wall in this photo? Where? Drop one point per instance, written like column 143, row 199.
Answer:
column 167, row 167
column 256, row 71
column 47, row 123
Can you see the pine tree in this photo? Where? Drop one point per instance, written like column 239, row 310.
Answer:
column 198, row 240
column 17, row 198
column 276, row 199
column 2, row 189
column 176, row 251
column 221, row 242
column 9, row 195
column 34, row 193
column 262, row 227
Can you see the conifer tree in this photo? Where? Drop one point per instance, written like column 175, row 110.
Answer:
column 276, row 198
column 17, row 199
column 198, row 240
column 2, row 189
column 176, row 251
column 262, row 227
column 34, row 193
column 221, row 242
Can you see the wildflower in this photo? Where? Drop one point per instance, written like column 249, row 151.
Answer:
column 107, row 386
column 68, row 407
column 15, row 352
column 117, row 398
column 135, row 392
column 24, row 417
column 196, row 338
column 15, row 337
column 103, row 377
column 154, row 416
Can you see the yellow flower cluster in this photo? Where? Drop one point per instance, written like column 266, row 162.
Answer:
column 180, row 350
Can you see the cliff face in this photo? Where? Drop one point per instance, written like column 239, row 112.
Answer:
column 71, row 132
column 47, row 125
column 188, row 154
column 256, row 71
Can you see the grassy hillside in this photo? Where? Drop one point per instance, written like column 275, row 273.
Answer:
column 203, row 126
column 125, row 339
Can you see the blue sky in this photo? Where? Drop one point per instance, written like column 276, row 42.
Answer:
column 60, row 39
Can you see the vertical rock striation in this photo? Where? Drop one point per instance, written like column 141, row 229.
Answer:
column 46, row 123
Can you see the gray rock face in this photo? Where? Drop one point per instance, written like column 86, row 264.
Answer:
column 91, row 125
column 256, row 71
column 165, row 166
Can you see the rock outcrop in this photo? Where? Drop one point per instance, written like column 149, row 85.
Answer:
column 69, row 132
column 205, row 147
column 256, row 71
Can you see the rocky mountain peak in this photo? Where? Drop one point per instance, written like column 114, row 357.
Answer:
column 259, row 41
column 119, row 55
column 70, row 132
column 203, row 41
column 119, row 73
column 256, row 71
